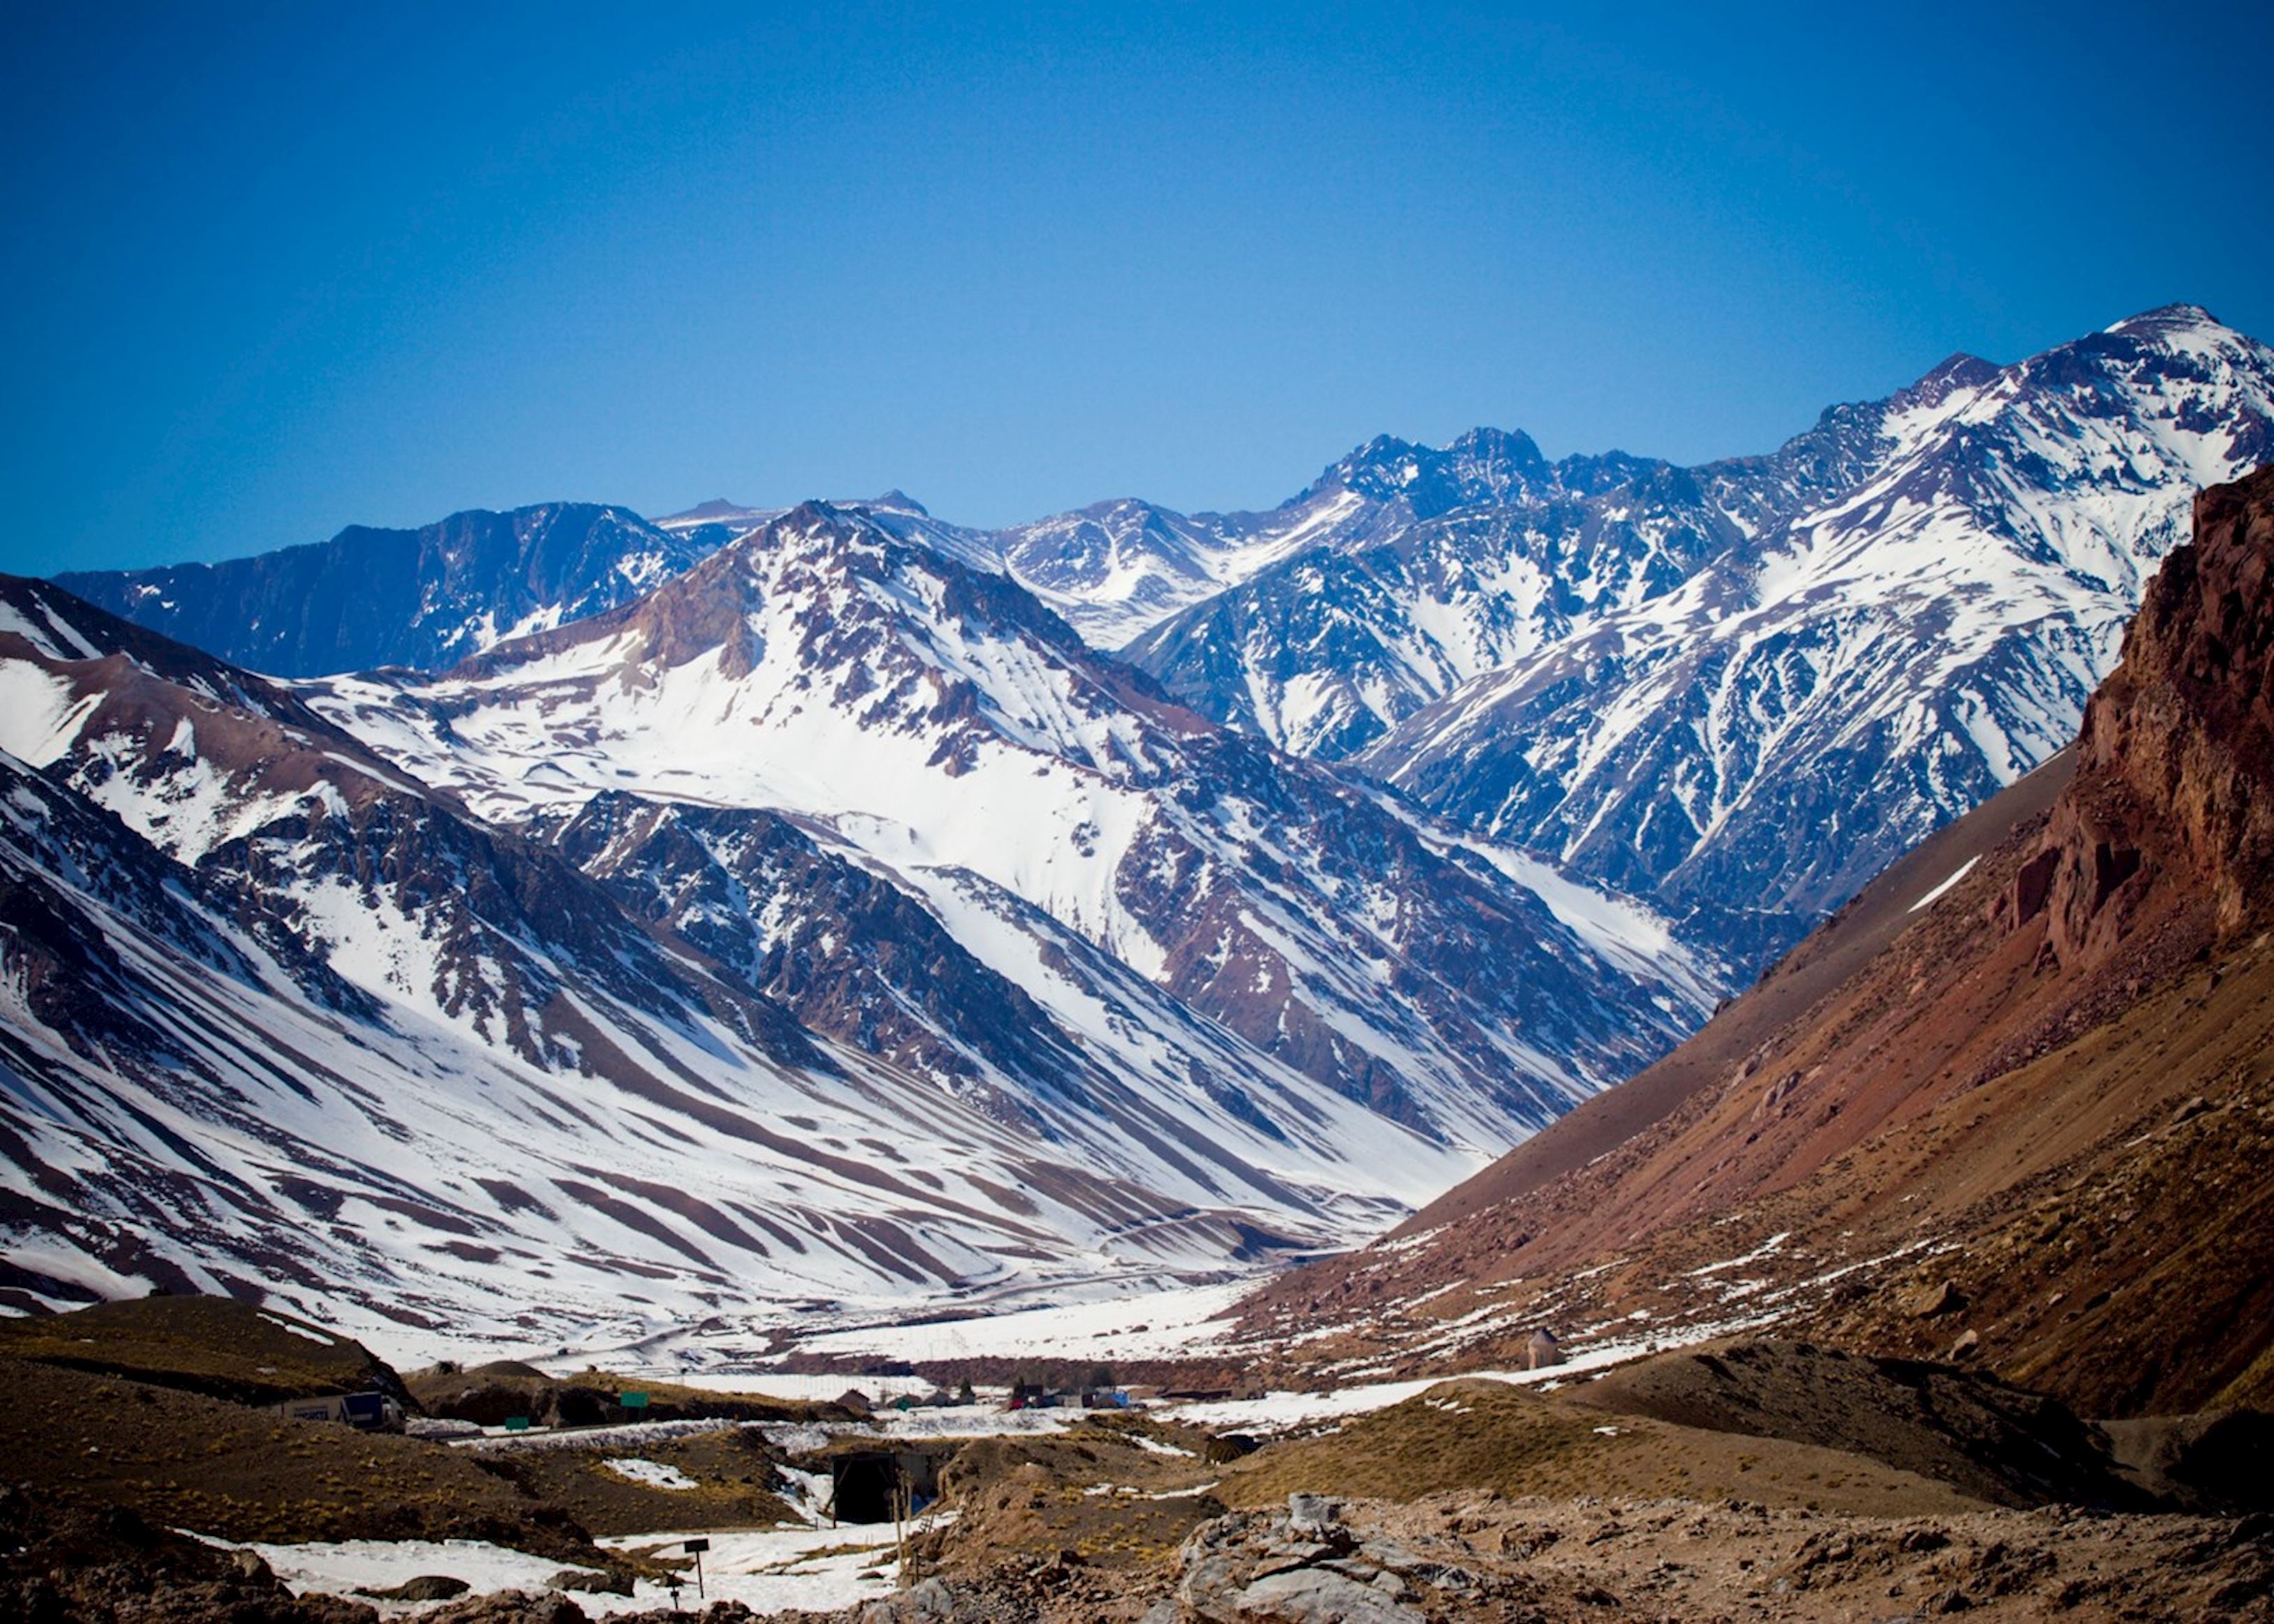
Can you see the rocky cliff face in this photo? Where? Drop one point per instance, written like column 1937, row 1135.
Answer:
column 2176, row 759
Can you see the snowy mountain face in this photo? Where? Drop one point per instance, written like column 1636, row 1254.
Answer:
column 276, row 1014
column 424, row 598
column 1324, row 651
column 1740, row 689
column 939, row 728
column 1770, row 733
column 743, row 985
column 756, row 868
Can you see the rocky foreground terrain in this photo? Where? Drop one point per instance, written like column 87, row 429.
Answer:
column 150, row 1480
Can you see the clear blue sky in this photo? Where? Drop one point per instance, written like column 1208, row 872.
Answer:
column 273, row 270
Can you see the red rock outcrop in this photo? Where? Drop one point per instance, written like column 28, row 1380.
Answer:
column 2176, row 758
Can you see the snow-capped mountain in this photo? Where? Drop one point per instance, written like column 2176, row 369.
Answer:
column 1769, row 732
column 940, row 728
column 742, row 854
column 277, row 1011
column 1326, row 650
column 429, row 596
column 1115, row 569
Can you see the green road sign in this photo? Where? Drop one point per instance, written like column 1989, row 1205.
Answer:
column 516, row 1424
column 632, row 1401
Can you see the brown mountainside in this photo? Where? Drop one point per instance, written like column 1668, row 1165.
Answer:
column 2030, row 1121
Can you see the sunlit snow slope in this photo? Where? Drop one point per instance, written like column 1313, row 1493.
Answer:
column 1769, row 732
column 275, row 1015
column 937, row 728
column 693, row 960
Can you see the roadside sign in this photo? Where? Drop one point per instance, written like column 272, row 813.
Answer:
column 632, row 1401
column 516, row 1424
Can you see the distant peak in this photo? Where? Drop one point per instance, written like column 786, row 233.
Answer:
column 1949, row 375
column 897, row 500
column 717, row 507
column 2163, row 318
column 1499, row 445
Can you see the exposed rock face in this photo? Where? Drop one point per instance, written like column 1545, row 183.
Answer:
column 2177, row 754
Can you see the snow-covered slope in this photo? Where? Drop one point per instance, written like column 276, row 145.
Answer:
column 278, row 1011
column 1768, row 733
column 949, row 735
column 274, row 1014
column 428, row 597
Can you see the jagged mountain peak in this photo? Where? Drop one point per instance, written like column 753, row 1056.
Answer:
column 1955, row 372
column 1482, row 464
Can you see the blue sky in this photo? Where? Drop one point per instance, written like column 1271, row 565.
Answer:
column 273, row 270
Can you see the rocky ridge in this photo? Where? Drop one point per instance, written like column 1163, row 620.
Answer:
column 428, row 597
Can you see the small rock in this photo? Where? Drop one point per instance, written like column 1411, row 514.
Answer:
column 425, row 1587
column 1937, row 1299
column 1965, row 1346
column 590, row 1583
column 1312, row 1514
column 1317, row 1596
column 509, row 1607
column 924, row 1602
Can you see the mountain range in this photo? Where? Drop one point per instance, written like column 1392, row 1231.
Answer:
column 591, row 921
column 2013, row 1105
column 827, row 926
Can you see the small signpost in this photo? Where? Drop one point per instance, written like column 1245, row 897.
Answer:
column 693, row 1548
column 516, row 1424
column 632, row 1401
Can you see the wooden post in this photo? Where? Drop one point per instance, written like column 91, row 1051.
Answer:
column 899, row 1539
